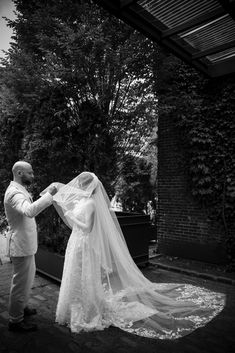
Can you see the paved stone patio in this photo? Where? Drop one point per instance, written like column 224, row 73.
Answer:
column 217, row 337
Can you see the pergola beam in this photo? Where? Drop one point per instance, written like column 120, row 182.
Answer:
column 222, row 68
column 150, row 25
column 229, row 6
column 144, row 25
column 214, row 50
column 125, row 3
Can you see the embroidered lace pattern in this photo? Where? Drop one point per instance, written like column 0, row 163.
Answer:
column 90, row 299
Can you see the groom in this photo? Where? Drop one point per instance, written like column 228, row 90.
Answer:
column 22, row 242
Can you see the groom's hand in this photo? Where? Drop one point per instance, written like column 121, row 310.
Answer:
column 52, row 190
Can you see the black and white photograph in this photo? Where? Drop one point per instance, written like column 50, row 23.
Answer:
column 117, row 176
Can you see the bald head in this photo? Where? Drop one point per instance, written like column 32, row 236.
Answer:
column 20, row 165
column 23, row 173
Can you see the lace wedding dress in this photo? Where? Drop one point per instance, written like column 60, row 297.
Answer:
column 94, row 296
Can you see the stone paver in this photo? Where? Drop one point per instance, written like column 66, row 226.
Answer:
column 214, row 272
column 216, row 337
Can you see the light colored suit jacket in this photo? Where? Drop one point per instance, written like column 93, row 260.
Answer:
column 20, row 212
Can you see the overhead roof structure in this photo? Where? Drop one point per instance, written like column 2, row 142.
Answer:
column 200, row 32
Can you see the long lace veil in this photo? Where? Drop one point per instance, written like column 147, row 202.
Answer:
column 161, row 310
column 108, row 236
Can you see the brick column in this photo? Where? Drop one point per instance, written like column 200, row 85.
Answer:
column 184, row 229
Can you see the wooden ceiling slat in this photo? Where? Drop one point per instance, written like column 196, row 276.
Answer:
column 199, row 20
column 205, row 40
column 217, row 49
column 212, row 35
column 161, row 10
column 207, row 27
column 193, row 30
column 222, row 68
column 180, row 11
column 221, row 55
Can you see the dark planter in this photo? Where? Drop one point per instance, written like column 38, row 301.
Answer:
column 211, row 253
column 136, row 229
column 49, row 263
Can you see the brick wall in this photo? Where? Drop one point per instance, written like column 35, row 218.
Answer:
column 184, row 229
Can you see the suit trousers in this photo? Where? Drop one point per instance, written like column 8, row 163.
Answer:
column 22, row 280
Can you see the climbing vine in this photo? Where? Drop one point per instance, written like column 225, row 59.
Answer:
column 208, row 128
column 204, row 113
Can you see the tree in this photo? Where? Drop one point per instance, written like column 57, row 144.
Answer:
column 133, row 188
column 79, row 81
column 94, row 57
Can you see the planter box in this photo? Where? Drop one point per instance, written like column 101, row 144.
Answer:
column 49, row 263
column 211, row 253
column 136, row 229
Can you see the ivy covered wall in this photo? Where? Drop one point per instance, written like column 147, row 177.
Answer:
column 196, row 175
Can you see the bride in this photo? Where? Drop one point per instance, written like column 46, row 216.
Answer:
column 102, row 286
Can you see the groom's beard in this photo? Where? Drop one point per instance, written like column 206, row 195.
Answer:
column 26, row 181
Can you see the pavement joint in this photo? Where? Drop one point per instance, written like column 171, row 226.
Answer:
column 34, row 302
